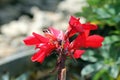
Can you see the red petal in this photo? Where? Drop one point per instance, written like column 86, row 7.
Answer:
column 94, row 41
column 31, row 40
column 45, row 50
column 89, row 26
column 75, row 24
column 49, row 48
column 86, row 32
column 79, row 41
column 38, row 56
column 78, row 53
column 41, row 38
column 72, row 32
column 73, row 20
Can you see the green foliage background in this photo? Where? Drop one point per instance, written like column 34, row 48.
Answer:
column 105, row 60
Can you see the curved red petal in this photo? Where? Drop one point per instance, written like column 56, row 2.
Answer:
column 89, row 26
column 73, row 20
column 45, row 50
column 75, row 24
column 41, row 38
column 39, row 56
column 72, row 32
column 31, row 40
column 94, row 41
column 79, row 41
column 78, row 53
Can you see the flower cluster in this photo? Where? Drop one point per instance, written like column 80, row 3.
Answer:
column 57, row 40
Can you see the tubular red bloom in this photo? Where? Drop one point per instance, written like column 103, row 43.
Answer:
column 76, row 26
column 45, row 44
column 57, row 40
column 40, row 42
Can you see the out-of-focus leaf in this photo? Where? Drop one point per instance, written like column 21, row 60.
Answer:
column 110, row 39
column 109, row 9
column 106, row 45
column 94, row 2
column 91, row 68
column 102, row 74
column 118, row 61
column 102, row 14
column 89, row 56
column 115, row 32
column 117, row 18
column 114, row 71
column 115, row 50
column 99, row 74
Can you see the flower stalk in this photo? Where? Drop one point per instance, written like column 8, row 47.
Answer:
column 61, row 66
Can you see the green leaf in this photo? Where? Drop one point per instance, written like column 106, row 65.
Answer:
column 114, row 71
column 102, row 14
column 118, row 61
column 115, row 50
column 89, row 56
column 98, row 75
column 91, row 68
column 110, row 39
column 103, row 75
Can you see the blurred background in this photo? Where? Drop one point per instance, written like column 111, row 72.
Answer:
column 19, row 18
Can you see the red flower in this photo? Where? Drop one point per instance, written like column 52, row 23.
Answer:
column 57, row 40
column 83, row 39
column 76, row 26
column 43, row 44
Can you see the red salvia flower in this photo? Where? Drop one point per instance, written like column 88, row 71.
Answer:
column 57, row 40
